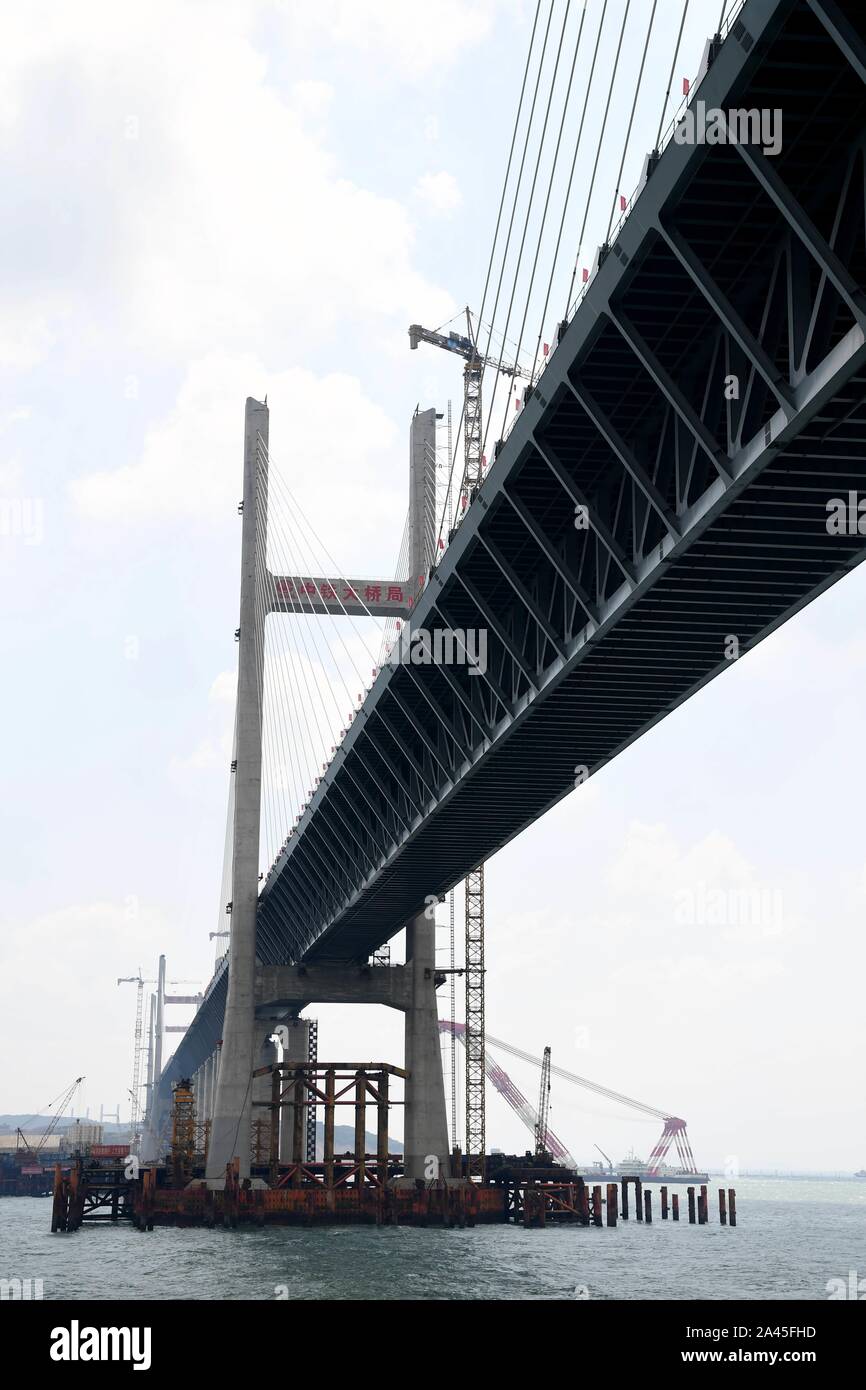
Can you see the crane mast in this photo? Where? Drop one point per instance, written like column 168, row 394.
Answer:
column 543, row 1106
column 473, row 462
column 135, row 1093
column 136, row 1114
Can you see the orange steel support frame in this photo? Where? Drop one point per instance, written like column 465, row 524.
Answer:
column 306, row 1085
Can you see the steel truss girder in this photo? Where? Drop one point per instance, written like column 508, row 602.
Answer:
column 727, row 314
column 551, row 644
column 703, row 493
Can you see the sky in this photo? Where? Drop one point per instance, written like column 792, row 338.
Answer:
column 203, row 202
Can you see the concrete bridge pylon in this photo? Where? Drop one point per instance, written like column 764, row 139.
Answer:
column 248, row 1001
column 230, row 1125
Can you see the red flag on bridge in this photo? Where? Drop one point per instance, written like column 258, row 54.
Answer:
column 686, row 86
column 545, row 348
column 622, row 202
column 585, row 274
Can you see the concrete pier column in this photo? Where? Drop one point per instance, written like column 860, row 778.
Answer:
column 151, row 1046
column 217, row 1059
column 261, row 1115
column 204, row 1106
column 231, row 1121
column 296, row 1048
column 425, row 1121
column 214, row 1068
column 159, row 1022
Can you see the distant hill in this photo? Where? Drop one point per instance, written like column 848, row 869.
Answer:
column 344, row 1135
column 344, row 1141
column 37, row 1124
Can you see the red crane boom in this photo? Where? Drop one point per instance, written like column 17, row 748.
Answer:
column 674, row 1131
column 513, row 1096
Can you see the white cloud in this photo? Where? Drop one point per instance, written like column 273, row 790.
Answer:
column 209, row 753
column 28, row 331
column 325, row 432
column 11, row 417
column 72, row 957
column 199, row 205
column 224, row 688
column 439, row 192
column 312, row 98
column 402, row 38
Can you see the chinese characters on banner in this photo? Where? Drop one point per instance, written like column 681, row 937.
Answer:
column 295, row 590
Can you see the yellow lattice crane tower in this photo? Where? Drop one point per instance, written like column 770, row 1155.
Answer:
column 183, row 1131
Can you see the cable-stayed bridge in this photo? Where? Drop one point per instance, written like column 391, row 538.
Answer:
column 683, row 476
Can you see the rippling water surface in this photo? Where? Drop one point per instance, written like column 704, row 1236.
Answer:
column 793, row 1237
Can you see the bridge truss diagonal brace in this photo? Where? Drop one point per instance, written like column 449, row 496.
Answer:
column 490, row 618
column 579, row 498
column 843, row 34
column 440, row 606
column 553, row 556
column 461, row 697
column 627, row 457
column 669, row 389
column 728, row 316
column 523, row 595
column 804, row 228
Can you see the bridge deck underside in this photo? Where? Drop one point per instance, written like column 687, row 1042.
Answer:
column 699, row 516
column 706, row 516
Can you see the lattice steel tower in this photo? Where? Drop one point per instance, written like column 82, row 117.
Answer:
column 473, row 372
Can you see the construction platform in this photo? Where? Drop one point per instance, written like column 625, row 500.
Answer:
column 353, row 1188
column 518, row 1193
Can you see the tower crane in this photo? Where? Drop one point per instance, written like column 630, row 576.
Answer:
column 473, row 372
column 138, row 1049
column 473, row 463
